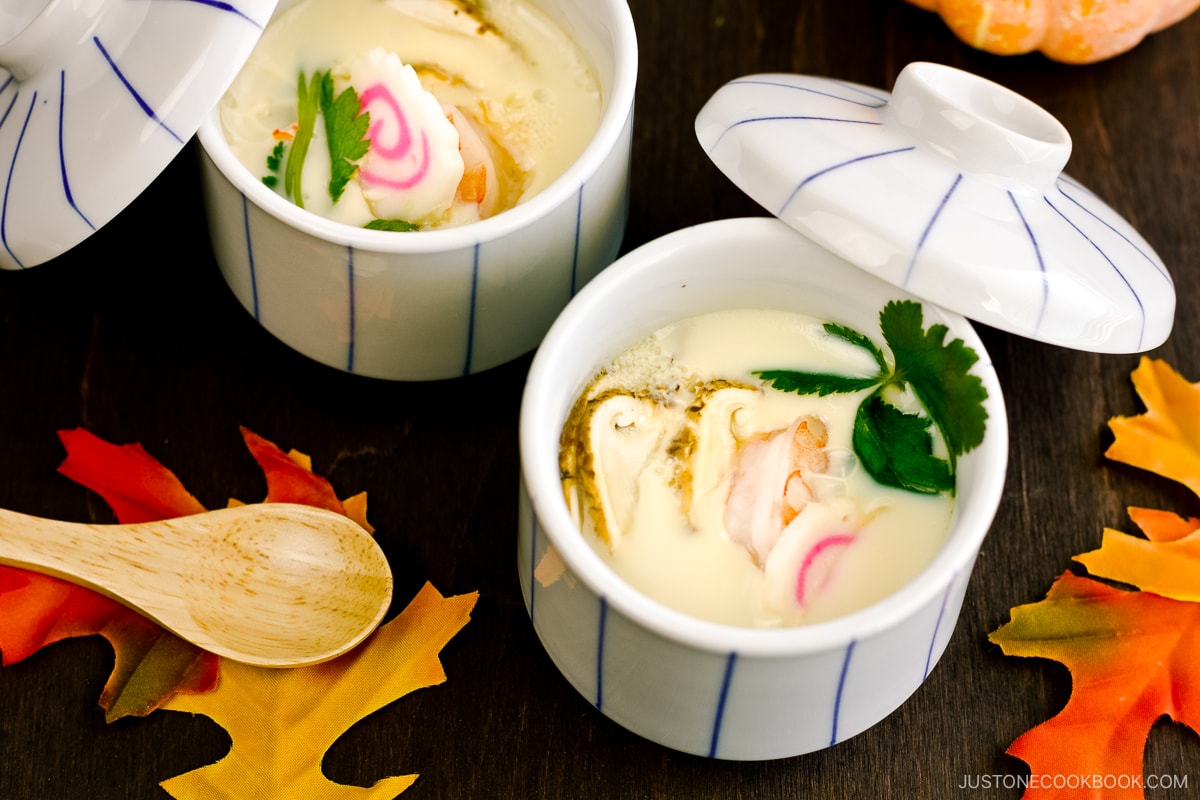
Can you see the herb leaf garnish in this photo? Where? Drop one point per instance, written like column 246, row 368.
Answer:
column 894, row 446
column 938, row 374
column 345, row 126
column 882, row 431
column 392, row 225
column 819, row 383
column 274, row 161
column 308, row 100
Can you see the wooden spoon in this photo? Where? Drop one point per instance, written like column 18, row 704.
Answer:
column 270, row 584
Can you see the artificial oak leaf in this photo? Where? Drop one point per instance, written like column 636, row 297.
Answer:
column 290, row 478
column 281, row 722
column 136, row 486
column 1165, row 439
column 1133, row 657
column 150, row 664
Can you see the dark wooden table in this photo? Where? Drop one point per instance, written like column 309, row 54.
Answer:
column 140, row 343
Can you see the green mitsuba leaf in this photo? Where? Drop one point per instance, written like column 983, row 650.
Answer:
column 346, row 126
column 939, row 375
column 391, row 225
column 896, row 448
column 819, row 383
column 859, row 340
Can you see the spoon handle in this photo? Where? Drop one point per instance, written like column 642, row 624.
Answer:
column 82, row 552
column 273, row 584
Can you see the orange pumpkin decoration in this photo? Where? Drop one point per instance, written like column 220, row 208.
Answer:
column 1070, row 31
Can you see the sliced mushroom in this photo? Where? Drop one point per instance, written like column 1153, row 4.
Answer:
column 705, row 447
column 607, row 443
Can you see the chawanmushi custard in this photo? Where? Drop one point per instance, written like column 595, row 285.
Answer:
column 767, row 469
column 411, row 114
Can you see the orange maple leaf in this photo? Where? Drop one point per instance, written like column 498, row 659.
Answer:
column 1133, row 655
column 282, row 721
column 150, row 664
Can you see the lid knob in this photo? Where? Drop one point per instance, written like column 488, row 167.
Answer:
column 43, row 33
column 99, row 96
column 985, row 128
column 15, row 20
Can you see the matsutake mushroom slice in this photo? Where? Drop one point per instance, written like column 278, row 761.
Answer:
column 705, row 447
column 607, row 443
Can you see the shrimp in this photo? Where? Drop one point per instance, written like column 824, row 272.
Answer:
column 770, row 484
column 479, row 185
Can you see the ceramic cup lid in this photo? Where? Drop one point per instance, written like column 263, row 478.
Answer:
column 96, row 98
column 951, row 187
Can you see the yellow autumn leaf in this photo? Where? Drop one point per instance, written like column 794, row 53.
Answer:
column 1166, row 568
column 282, row 721
column 1165, row 439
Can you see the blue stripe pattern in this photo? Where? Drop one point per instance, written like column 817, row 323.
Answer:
column 1111, row 263
column 55, row 157
column 792, row 118
column 533, row 539
column 848, row 162
column 841, row 688
column 250, row 259
column 937, row 626
column 62, row 155
column 722, row 698
column 877, row 101
column 8, row 181
column 471, row 311
column 12, row 100
column 578, row 236
column 1157, row 265
column 146, row 109
column 222, row 6
column 1037, row 253
column 602, row 631
column 929, row 227
column 351, row 311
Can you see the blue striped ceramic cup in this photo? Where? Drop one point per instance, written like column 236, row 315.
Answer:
column 696, row 686
column 443, row 303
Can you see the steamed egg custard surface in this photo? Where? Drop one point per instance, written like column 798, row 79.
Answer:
column 411, row 114
column 714, row 493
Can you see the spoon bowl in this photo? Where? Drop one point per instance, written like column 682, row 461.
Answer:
column 268, row 584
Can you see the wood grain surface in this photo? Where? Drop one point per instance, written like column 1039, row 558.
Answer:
column 138, row 340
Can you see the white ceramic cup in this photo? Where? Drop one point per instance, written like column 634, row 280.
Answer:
column 433, row 304
column 697, row 686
